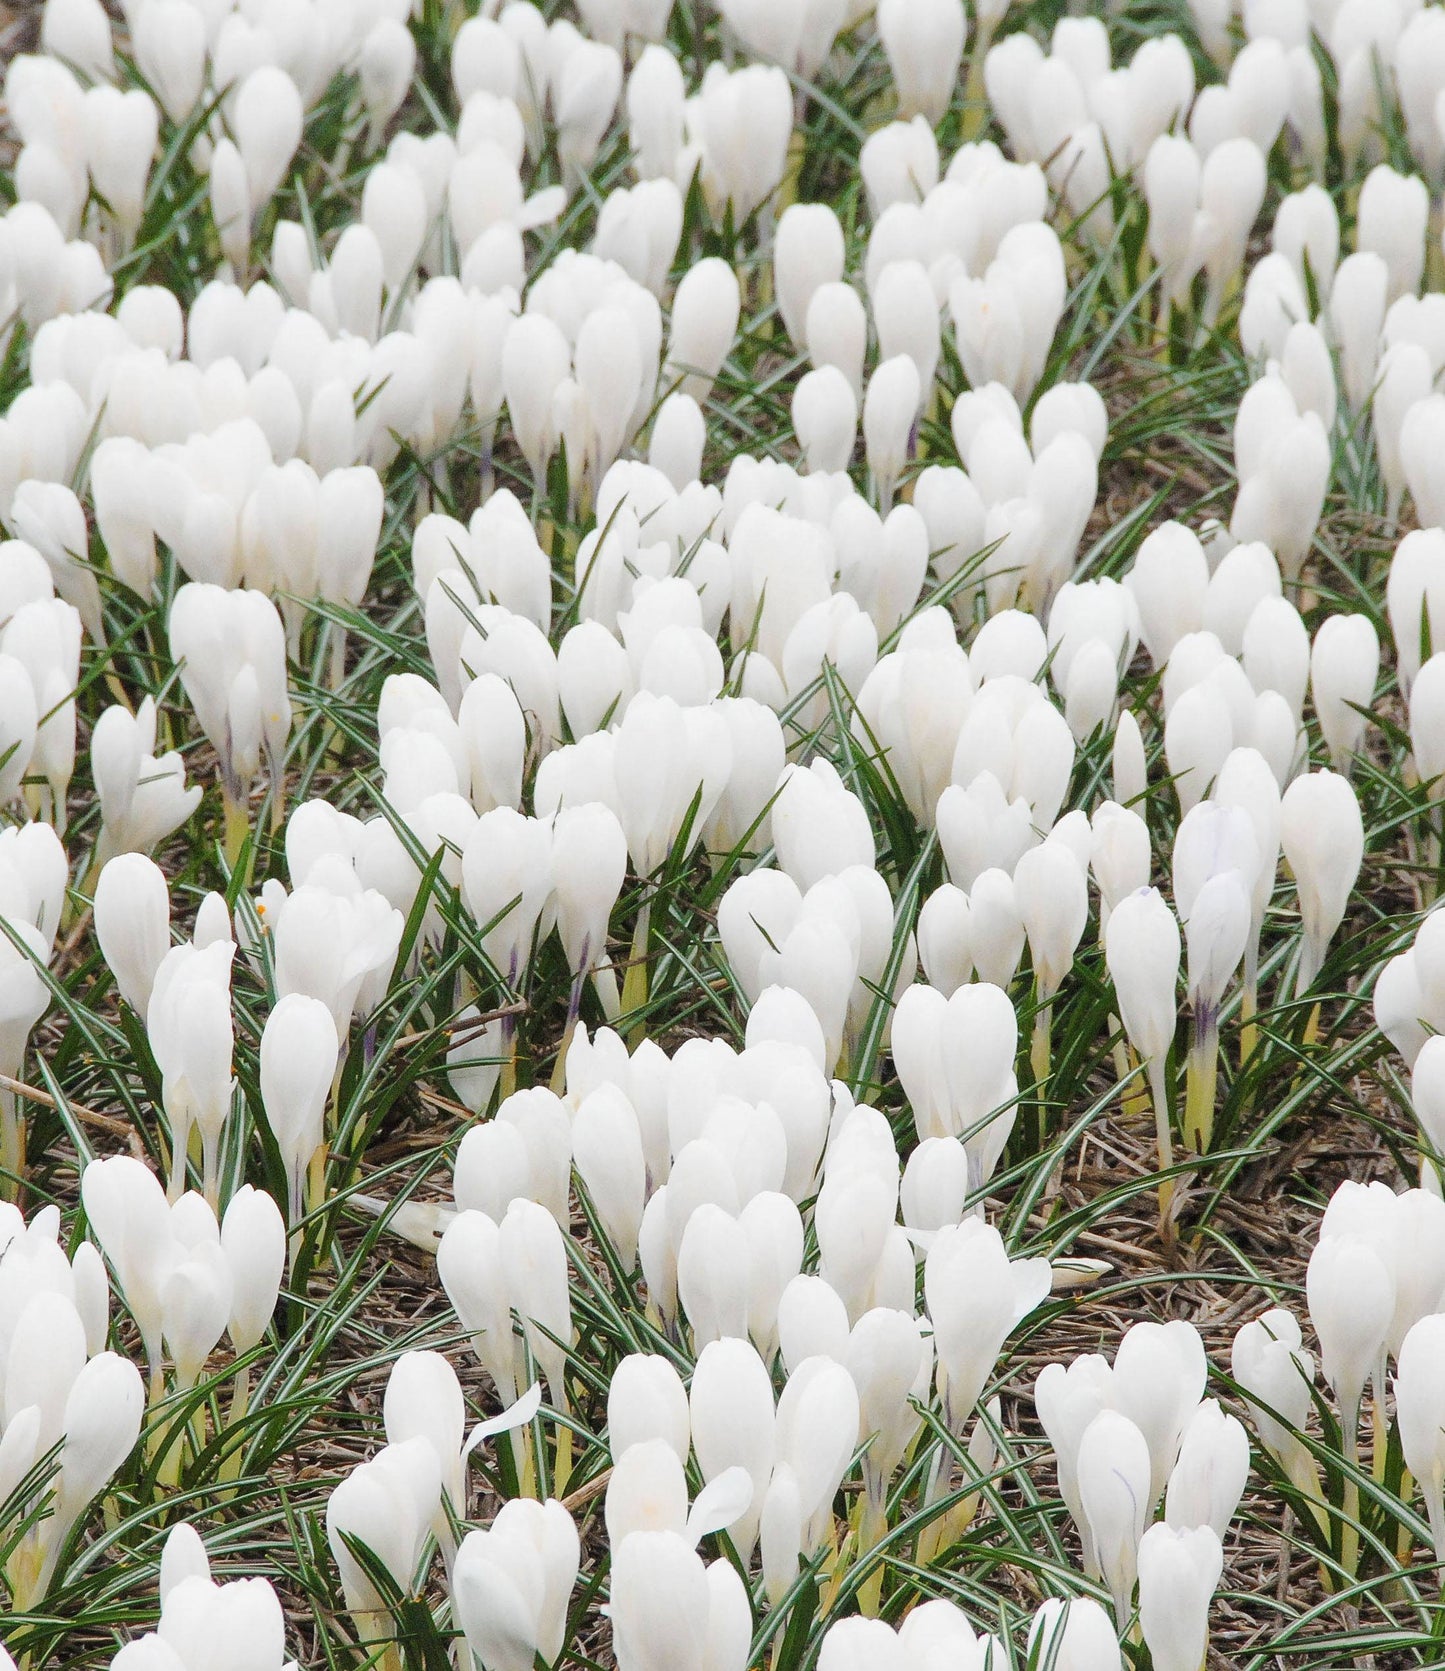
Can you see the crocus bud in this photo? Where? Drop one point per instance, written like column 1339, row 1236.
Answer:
column 589, row 862
column 744, row 120
column 121, row 131
column 704, row 322
column 1415, row 599
column 585, row 89
column 975, row 1297
column 889, row 410
column 388, row 58
column 231, row 204
column 78, row 32
column 253, row 1239
column 1159, row 1374
column 1053, row 902
column 1269, row 1362
column 191, row 1035
column 385, row 1505
column 1169, row 581
column 607, row 1151
column 1231, row 189
column 1351, row 1299
column 1391, row 222
column 169, row 43
column 534, row 1259
column 266, row 118
column 825, row 419
column 183, row 1556
column 1067, row 1399
column 231, row 650
column 1344, row 665
column 469, row 1264
column 656, row 96
column 132, row 924
column 130, row 1219
column 1322, row 834
column 1217, row 931
column 1209, row 1478
column 1427, row 1081
column 679, row 433
column 905, row 317
column 817, row 1431
column 886, row 1355
column 1178, row 1572
column 1119, row 855
column 646, row 1400
column 49, row 517
column 836, row 331
column 535, row 361
column 819, row 826
column 669, row 1609
column 1006, row 321
column 102, row 1423
column 954, row 1087
column 944, row 946
column 1404, row 382
column 1171, row 188
column 197, row 1300
column 807, row 252
column 733, row 1423
column 1358, row 298
column 511, row 1584
column 1419, row 1380
column 924, row 46
column 506, row 881
column 19, row 724
column 299, row 1051
column 1142, row 950
column 1114, row 1491
column 1076, row 1634
column 997, row 928
column 1130, row 771
column 609, row 374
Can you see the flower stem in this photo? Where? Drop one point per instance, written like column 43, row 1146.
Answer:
column 240, row 1403
column 1041, row 1049
column 12, row 1144
column 1164, row 1136
column 634, row 985
column 1350, row 1508
column 237, row 826
column 1202, row 1081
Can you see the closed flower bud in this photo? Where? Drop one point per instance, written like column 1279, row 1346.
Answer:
column 825, row 419
column 1209, row 1478
column 1351, row 1298
column 1418, row 1384
column 836, row 332
column 1178, row 1572
column 253, row 1239
column 704, row 322
column 646, row 1400
column 1142, row 952
column 299, row 1050
column 132, row 924
column 1344, row 665
column 266, row 118
column 1114, row 1491
column 924, row 44
column 1076, row 1635
column 1322, row 834
column 807, row 253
